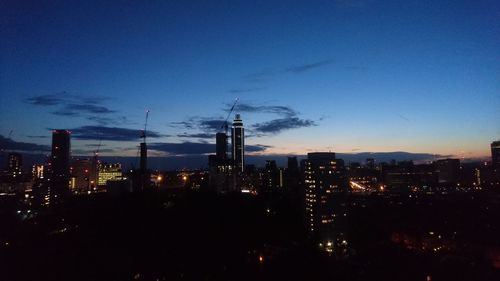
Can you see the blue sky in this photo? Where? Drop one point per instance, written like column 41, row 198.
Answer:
column 346, row 76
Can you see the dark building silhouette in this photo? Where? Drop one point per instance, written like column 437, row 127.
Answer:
column 370, row 163
column 448, row 171
column 82, row 173
column 271, row 176
column 495, row 163
column 293, row 164
column 495, row 154
column 59, row 162
column 324, row 179
column 221, row 147
column 238, row 143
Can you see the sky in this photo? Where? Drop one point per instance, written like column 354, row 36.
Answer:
column 345, row 76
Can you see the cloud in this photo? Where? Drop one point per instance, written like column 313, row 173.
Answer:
column 260, row 76
column 274, row 109
column 197, row 135
column 268, row 73
column 89, row 108
column 353, row 3
column 7, row 144
column 64, row 98
column 37, row 137
column 403, row 117
column 70, row 105
column 82, row 152
column 298, row 69
column 207, row 125
column 65, row 113
column 278, row 125
column 213, row 125
column 245, row 90
column 193, row 148
column 289, row 119
column 79, row 109
column 110, row 133
column 46, row 100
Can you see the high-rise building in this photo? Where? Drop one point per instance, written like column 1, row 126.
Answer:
column 238, row 142
column 15, row 164
column 271, row 175
column 59, row 162
column 495, row 162
column 221, row 147
column 495, row 153
column 324, row 178
column 448, row 171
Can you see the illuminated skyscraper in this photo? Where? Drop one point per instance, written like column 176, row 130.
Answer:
column 238, row 142
column 323, row 179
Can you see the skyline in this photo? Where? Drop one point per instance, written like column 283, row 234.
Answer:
column 346, row 76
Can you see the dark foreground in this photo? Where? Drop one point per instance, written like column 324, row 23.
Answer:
column 201, row 236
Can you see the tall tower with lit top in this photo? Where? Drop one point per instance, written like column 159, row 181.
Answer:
column 238, row 142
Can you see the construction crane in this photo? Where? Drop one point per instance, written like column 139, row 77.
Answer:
column 143, row 134
column 143, row 148
column 224, row 125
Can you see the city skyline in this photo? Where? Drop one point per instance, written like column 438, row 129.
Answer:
column 326, row 77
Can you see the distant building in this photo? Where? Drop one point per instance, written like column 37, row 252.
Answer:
column 38, row 171
column 324, row 178
column 495, row 154
column 495, row 163
column 272, row 178
column 81, row 171
column 238, row 143
column 14, row 167
column 109, row 172
column 59, row 162
column 448, row 171
column 370, row 163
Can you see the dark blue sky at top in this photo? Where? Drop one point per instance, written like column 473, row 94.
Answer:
column 418, row 76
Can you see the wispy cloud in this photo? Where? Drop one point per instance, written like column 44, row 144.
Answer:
column 197, row 135
column 205, row 128
column 403, row 117
column 82, row 152
column 63, row 97
column 245, row 90
column 268, row 73
column 282, row 124
column 353, row 3
column 298, row 69
column 110, row 133
column 71, row 105
column 204, row 124
column 193, row 148
column 12, row 145
column 273, row 109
